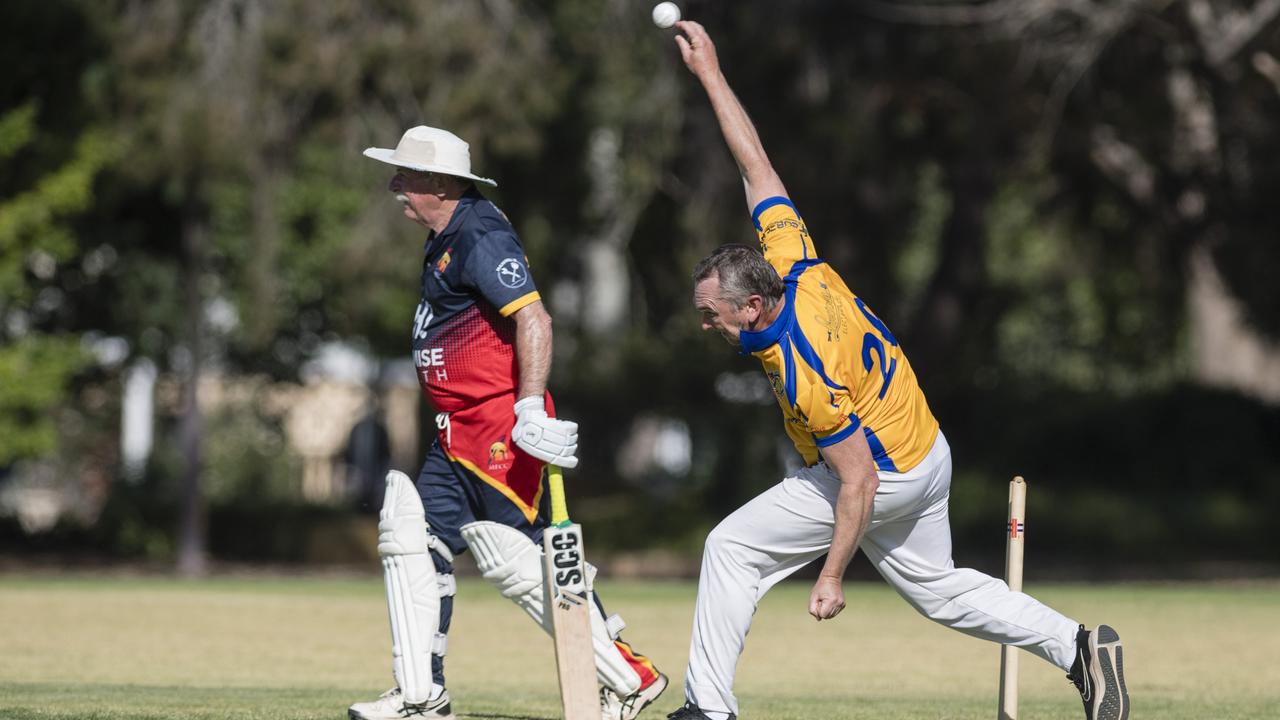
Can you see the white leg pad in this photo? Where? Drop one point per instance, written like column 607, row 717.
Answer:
column 413, row 599
column 510, row 560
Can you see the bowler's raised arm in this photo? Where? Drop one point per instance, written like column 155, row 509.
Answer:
column 758, row 176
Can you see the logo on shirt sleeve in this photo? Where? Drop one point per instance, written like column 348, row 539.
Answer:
column 775, row 382
column 512, row 273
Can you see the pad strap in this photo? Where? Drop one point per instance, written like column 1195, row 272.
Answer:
column 447, row 585
column 614, row 626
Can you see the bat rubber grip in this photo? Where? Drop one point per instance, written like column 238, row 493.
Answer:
column 559, row 508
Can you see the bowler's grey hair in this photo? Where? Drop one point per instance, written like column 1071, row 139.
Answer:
column 742, row 272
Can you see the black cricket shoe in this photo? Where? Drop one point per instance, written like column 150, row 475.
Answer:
column 1098, row 673
column 693, row 712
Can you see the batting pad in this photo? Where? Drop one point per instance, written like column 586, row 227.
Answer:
column 512, row 563
column 413, row 600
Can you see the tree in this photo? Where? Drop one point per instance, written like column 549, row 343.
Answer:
column 53, row 156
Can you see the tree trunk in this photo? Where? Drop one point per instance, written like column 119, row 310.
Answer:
column 192, row 556
column 948, row 317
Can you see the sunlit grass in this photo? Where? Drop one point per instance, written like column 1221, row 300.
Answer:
column 306, row 648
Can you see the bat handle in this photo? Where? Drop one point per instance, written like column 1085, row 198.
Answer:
column 559, row 508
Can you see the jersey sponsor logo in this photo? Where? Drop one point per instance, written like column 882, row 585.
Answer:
column 781, row 224
column 499, row 456
column 428, row 357
column 834, row 322
column 421, row 319
column 512, row 273
column 431, row 358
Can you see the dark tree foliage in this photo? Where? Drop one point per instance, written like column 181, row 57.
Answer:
column 1038, row 197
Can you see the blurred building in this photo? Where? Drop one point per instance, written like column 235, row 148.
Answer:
column 349, row 420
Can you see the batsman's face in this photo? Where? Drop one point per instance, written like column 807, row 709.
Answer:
column 719, row 314
column 417, row 192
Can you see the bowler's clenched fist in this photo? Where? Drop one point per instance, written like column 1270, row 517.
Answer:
column 827, row 598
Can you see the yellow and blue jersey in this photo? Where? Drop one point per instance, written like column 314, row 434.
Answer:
column 835, row 368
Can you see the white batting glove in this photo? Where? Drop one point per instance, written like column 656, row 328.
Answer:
column 548, row 439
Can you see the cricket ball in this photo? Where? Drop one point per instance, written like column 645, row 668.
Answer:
column 666, row 14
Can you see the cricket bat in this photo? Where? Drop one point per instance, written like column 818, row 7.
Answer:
column 569, row 602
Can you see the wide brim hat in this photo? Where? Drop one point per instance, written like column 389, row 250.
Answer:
column 429, row 149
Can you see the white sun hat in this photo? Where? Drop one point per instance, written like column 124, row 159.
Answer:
column 430, row 149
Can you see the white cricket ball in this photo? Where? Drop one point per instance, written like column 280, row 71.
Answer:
column 666, row 14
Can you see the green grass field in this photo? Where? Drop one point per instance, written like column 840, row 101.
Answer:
column 131, row 649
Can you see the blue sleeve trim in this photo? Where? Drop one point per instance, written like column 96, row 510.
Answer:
column 883, row 461
column 768, row 203
column 828, row 441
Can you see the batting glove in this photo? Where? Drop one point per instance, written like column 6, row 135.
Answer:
column 546, row 438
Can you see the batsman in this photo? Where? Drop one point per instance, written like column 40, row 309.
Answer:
column 482, row 350
column 877, row 472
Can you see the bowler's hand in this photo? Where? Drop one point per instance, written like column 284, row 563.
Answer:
column 546, row 438
column 698, row 51
column 827, row 599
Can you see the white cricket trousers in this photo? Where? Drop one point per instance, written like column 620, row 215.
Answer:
column 908, row 541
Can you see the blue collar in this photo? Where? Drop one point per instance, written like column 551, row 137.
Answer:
column 754, row 341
